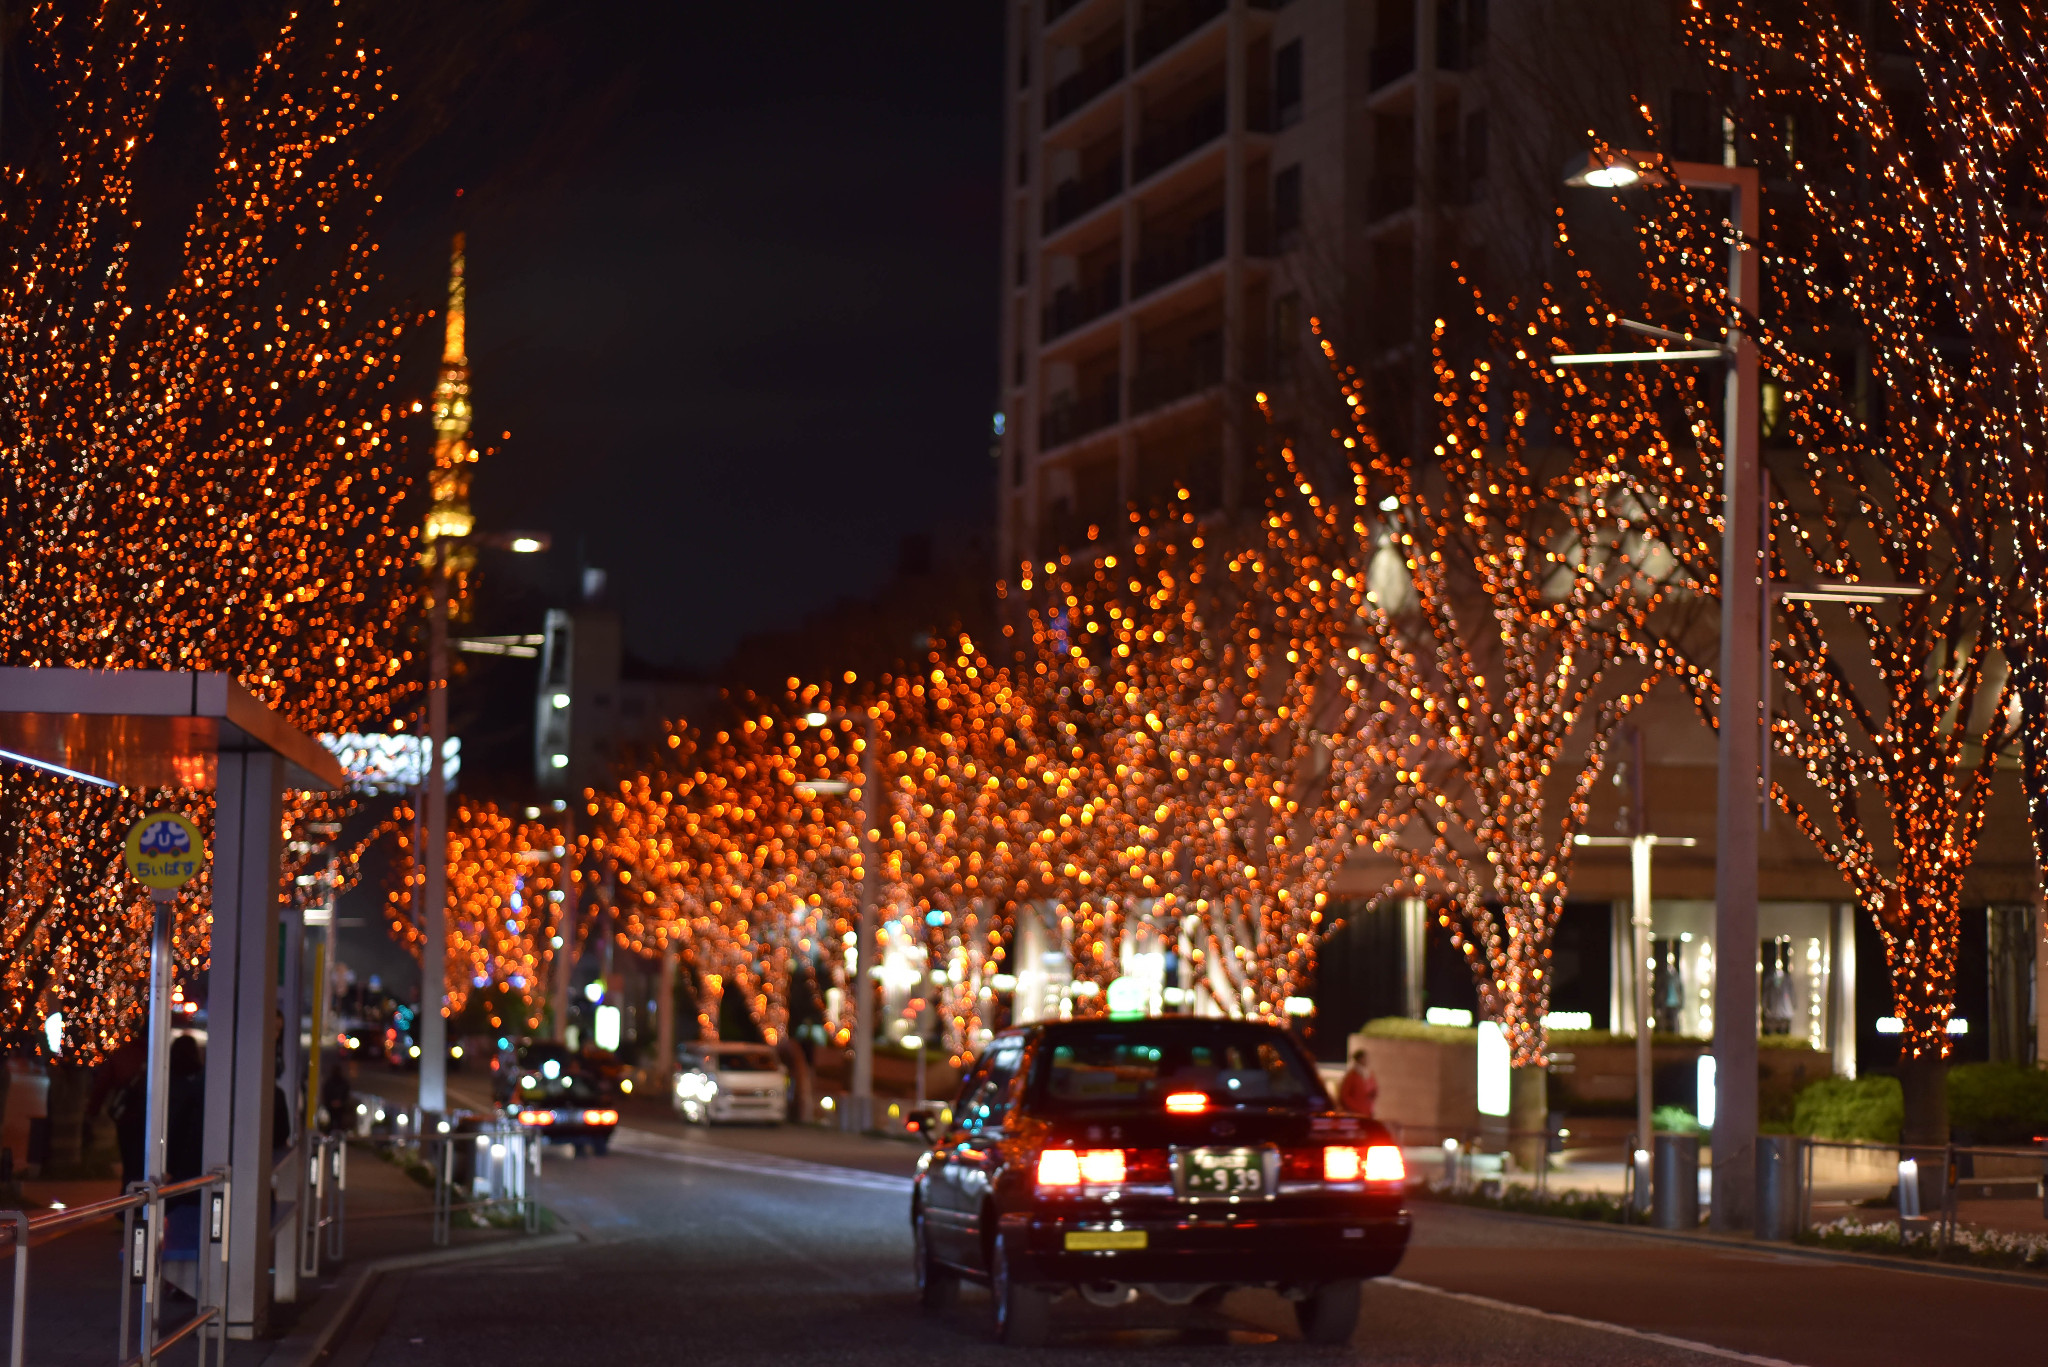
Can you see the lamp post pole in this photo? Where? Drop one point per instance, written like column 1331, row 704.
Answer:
column 433, row 1027
column 1739, row 729
column 863, row 1098
column 1739, row 737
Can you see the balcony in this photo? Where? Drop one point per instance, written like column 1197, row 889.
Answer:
column 1389, row 62
column 1388, row 195
column 1202, row 244
column 1072, row 306
column 1084, row 85
column 1071, row 418
column 1071, row 199
column 1174, row 25
column 1197, row 368
column 1198, row 128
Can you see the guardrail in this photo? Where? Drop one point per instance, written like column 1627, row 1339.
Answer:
column 492, row 1168
column 1915, row 1183
column 325, row 1201
column 160, row 1236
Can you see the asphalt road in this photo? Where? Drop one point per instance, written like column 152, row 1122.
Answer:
column 792, row 1246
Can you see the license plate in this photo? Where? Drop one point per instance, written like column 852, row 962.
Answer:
column 1093, row 1240
column 1224, row 1175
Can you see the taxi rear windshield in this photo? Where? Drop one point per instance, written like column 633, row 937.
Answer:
column 1142, row 1063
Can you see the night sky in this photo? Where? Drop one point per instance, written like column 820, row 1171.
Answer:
column 733, row 287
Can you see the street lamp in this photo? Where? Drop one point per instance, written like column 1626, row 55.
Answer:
column 859, row 1113
column 444, row 528
column 1739, row 823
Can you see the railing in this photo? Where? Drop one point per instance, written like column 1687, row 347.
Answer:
column 325, row 1201
column 1071, row 307
column 1077, row 417
column 1073, row 198
column 489, row 1170
column 1203, row 244
column 144, row 1247
column 1084, row 85
column 1198, row 128
column 1952, row 1166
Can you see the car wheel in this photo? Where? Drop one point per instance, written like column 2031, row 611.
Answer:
column 601, row 1145
column 938, row 1286
column 1329, row 1314
column 1023, row 1313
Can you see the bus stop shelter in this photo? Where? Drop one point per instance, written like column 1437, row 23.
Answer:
column 206, row 734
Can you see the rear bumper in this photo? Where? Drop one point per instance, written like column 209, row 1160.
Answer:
column 1263, row 1249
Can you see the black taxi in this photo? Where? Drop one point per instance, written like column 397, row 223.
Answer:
column 1177, row 1156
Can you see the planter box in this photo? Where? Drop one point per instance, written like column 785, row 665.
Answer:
column 1429, row 1089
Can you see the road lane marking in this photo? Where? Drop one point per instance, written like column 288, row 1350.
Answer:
column 761, row 1165
column 1668, row 1340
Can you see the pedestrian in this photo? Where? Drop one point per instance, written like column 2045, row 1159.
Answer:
column 337, row 1097
column 1360, row 1090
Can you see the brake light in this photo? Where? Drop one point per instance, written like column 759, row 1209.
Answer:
column 1383, row 1164
column 536, row 1117
column 1187, row 1103
column 1059, row 1168
column 600, row 1117
column 1081, row 1167
column 1102, row 1167
column 1341, row 1163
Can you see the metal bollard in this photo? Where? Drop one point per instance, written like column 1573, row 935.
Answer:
column 1675, row 1195
column 1778, row 1174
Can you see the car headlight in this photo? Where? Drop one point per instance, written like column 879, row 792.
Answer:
column 529, row 1082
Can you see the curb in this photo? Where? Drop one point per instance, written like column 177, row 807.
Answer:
column 1742, row 1244
column 305, row 1349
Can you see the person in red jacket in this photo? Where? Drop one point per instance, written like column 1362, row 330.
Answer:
column 1360, row 1089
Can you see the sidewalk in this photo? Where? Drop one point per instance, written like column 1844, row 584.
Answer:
column 75, row 1280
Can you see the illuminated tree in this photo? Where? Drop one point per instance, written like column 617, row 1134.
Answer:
column 1200, row 806
column 1492, row 609
column 200, row 468
column 1904, row 330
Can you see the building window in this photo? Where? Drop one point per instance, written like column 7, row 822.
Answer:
column 1475, row 147
column 1695, row 130
column 1286, row 328
column 1287, row 200
column 1287, row 85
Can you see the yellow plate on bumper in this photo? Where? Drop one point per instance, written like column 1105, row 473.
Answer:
column 1087, row 1240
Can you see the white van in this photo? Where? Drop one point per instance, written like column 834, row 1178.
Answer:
column 718, row 1081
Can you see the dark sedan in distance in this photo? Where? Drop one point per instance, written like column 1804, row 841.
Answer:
column 1177, row 1156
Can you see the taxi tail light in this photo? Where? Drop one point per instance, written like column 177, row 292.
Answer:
column 1187, row 1103
column 1383, row 1164
column 536, row 1117
column 600, row 1117
column 1102, row 1167
column 1341, row 1163
column 1059, row 1168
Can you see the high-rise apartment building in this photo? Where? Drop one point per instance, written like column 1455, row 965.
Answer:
column 1187, row 182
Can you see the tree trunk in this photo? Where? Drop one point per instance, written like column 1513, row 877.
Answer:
column 69, row 1089
column 1528, row 1112
column 1925, row 1083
